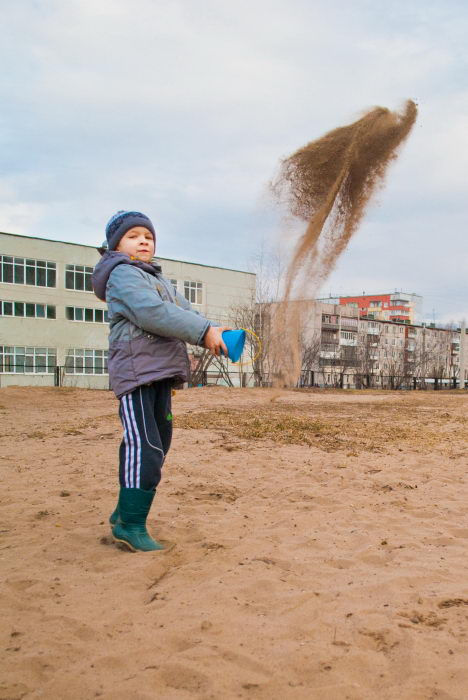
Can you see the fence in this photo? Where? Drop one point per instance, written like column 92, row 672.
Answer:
column 374, row 381
column 95, row 377
column 309, row 379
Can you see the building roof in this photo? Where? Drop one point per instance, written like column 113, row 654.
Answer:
column 375, row 294
column 84, row 245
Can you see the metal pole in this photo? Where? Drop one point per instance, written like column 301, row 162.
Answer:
column 462, row 355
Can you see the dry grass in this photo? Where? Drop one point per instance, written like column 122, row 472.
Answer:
column 267, row 424
column 354, row 427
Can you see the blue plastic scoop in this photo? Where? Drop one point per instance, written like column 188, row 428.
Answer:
column 234, row 341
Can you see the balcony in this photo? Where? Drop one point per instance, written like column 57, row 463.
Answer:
column 349, row 324
column 398, row 300
column 329, row 362
column 329, row 354
column 329, row 341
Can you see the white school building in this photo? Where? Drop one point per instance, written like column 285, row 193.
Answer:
column 53, row 329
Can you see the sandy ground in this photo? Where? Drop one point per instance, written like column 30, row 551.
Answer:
column 320, row 549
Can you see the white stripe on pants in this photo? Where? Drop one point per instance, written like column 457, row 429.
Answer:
column 133, row 444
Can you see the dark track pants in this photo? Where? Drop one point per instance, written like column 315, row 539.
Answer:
column 147, row 422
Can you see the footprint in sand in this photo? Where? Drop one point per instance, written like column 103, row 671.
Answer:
column 383, row 640
column 460, row 532
column 244, row 662
column 219, row 494
column 21, row 584
column 70, row 626
column 181, row 644
column 341, row 563
column 184, row 678
column 13, row 691
column 421, row 512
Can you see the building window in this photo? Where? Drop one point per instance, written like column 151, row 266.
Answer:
column 78, row 313
column 26, row 310
column 327, row 318
column 193, row 292
column 38, row 273
column 22, row 360
column 86, row 361
column 78, row 277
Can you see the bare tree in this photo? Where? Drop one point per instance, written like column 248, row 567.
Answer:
column 349, row 360
column 256, row 317
column 396, row 368
column 310, row 352
column 255, row 313
column 204, row 360
column 438, row 350
column 367, row 353
column 199, row 366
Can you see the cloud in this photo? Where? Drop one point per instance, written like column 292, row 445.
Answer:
column 184, row 109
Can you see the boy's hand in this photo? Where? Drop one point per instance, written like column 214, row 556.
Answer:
column 213, row 340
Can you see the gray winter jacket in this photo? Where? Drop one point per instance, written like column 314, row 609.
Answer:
column 149, row 323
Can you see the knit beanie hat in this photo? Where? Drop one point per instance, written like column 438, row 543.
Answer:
column 123, row 221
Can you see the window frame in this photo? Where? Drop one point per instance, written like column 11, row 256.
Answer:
column 49, row 309
column 84, row 309
column 78, row 356
column 28, row 354
column 192, row 286
column 82, row 270
column 21, row 268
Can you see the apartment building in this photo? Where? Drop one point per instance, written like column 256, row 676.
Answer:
column 396, row 306
column 53, row 329
column 339, row 336
column 360, row 352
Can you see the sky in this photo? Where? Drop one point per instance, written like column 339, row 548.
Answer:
column 184, row 109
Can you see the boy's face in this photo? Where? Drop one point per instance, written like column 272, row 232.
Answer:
column 137, row 243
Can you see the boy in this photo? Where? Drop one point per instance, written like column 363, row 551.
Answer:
column 149, row 325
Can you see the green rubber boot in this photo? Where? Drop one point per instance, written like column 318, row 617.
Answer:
column 130, row 528
column 115, row 515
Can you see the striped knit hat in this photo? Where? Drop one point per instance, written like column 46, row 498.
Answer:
column 123, row 221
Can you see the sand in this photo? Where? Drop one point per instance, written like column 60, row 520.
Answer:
column 328, row 564
column 328, row 185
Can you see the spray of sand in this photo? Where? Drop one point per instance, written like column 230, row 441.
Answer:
column 328, row 184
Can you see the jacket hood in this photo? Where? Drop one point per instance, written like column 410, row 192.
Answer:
column 111, row 259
